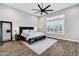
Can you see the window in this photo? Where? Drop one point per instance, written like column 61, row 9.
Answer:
column 55, row 24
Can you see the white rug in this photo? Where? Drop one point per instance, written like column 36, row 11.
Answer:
column 40, row 46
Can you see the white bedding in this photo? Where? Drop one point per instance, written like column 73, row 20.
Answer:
column 32, row 34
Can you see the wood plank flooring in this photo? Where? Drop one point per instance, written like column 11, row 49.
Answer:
column 61, row 48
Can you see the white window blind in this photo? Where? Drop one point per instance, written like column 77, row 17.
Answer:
column 55, row 24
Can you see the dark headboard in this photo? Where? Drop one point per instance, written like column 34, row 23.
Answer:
column 25, row 28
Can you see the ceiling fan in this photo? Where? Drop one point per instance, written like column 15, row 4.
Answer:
column 42, row 10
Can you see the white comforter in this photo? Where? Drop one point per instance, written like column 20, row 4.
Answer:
column 32, row 35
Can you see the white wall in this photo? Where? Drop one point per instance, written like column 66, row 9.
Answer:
column 71, row 24
column 17, row 17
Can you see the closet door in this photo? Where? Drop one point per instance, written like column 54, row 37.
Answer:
column 6, row 31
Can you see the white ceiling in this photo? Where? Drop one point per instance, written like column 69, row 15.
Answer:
column 27, row 7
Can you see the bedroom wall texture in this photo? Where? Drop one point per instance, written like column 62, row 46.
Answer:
column 71, row 24
column 17, row 17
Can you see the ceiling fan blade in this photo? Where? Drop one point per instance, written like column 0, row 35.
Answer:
column 39, row 6
column 41, row 13
column 42, row 5
column 45, row 12
column 36, row 9
column 48, row 10
column 37, row 12
column 47, row 7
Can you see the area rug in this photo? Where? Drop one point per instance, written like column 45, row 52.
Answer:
column 40, row 46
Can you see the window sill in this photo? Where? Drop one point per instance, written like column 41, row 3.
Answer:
column 55, row 33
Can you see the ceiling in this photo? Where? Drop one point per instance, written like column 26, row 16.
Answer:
column 27, row 7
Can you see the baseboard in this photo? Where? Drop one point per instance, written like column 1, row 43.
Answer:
column 64, row 39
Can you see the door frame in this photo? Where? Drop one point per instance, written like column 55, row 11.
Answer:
column 10, row 27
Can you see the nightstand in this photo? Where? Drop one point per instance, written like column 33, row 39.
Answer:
column 17, row 37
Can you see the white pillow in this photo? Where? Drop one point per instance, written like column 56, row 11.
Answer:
column 25, row 31
column 32, row 31
column 25, row 35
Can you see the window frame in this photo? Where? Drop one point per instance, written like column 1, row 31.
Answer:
column 57, row 16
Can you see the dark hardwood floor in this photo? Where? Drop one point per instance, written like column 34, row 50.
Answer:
column 60, row 48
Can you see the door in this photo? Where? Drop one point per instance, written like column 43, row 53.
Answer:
column 6, row 31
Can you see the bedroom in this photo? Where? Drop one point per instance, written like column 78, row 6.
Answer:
column 59, row 40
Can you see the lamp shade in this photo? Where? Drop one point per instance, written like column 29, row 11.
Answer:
column 35, row 28
column 17, row 30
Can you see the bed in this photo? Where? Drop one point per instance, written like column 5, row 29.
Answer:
column 29, row 35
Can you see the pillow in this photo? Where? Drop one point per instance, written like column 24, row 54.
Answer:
column 25, row 31
column 25, row 34
column 32, row 30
